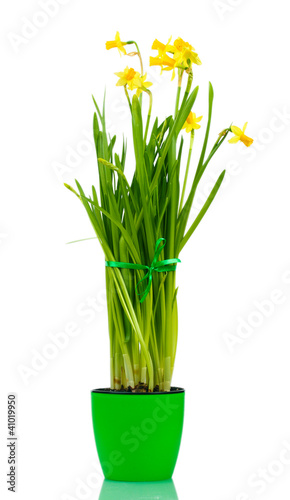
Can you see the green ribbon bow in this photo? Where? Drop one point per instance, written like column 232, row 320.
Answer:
column 163, row 266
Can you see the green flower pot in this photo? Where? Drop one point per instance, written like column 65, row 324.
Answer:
column 138, row 435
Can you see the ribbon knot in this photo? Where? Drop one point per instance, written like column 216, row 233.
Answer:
column 162, row 266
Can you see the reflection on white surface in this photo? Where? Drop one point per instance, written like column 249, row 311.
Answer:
column 115, row 490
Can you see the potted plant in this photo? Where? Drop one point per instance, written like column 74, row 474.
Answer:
column 142, row 226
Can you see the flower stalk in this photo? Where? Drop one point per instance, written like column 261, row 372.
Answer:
column 180, row 75
column 149, row 114
column 186, row 170
column 138, row 53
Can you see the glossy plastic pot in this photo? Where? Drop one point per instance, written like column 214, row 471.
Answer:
column 138, row 435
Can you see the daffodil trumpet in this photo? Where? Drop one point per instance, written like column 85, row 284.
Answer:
column 128, row 218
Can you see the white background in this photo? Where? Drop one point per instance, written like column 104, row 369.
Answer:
column 237, row 401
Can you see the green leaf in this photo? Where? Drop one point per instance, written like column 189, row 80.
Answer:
column 175, row 128
column 97, row 108
column 203, row 151
column 84, row 239
column 132, row 249
column 203, row 211
column 140, row 174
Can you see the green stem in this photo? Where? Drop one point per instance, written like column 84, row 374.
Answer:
column 132, row 42
column 111, row 328
column 186, row 171
column 140, row 57
column 141, row 61
column 149, row 113
column 128, row 98
column 172, row 212
column 129, row 311
column 180, row 74
column 188, row 86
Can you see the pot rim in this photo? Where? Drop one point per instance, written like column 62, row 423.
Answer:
column 173, row 390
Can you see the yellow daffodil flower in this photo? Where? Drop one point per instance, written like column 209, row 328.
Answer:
column 129, row 77
column 163, row 60
column 117, row 44
column 182, row 58
column 133, row 79
column 240, row 136
column 144, row 85
column 180, row 44
column 192, row 122
column 184, row 52
column 166, row 62
column 162, row 49
column 182, row 55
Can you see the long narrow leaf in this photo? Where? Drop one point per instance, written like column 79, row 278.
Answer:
column 203, row 211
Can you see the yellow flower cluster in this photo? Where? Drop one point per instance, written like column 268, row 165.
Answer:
column 180, row 54
column 131, row 78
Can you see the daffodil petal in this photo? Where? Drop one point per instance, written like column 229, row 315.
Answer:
column 234, row 140
column 122, row 50
column 121, row 82
column 236, row 130
column 244, row 127
column 157, row 45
